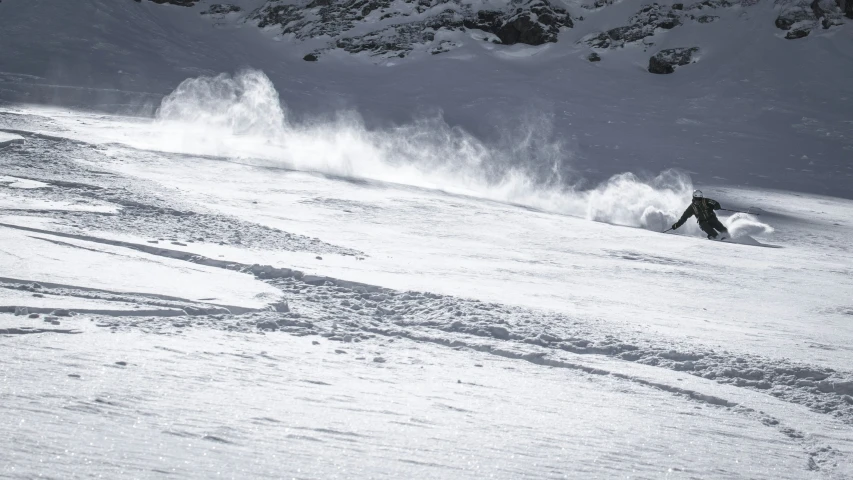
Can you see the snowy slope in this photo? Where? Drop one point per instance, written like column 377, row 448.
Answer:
column 217, row 258
column 757, row 338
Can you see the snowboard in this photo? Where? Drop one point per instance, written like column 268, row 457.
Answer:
column 720, row 237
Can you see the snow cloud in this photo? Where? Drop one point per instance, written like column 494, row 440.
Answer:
column 242, row 116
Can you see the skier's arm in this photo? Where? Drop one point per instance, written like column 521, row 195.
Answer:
column 715, row 205
column 687, row 214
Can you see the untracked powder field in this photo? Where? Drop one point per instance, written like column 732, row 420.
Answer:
column 426, row 240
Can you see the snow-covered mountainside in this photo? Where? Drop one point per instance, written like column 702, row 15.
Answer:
column 425, row 239
column 746, row 98
column 396, row 28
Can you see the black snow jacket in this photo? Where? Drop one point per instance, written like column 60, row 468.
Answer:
column 703, row 209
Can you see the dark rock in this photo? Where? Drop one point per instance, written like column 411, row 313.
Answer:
column 486, row 20
column 678, row 6
column 599, row 40
column 121, row 364
column 395, row 41
column 816, row 10
column 707, row 19
column 275, row 14
column 665, row 61
column 310, row 57
column 594, row 57
column 629, row 34
column 536, row 24
column 598, row 4
column 641, row 25
column 791, row 16
column 803, row 18
column 34, row 315
column 798, row 33
column 522, row 30
column 221, row 9
column 61, row 313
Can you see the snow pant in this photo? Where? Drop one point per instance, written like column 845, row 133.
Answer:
column 712, row 226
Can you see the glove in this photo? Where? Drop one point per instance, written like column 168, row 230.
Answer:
column 675, row 226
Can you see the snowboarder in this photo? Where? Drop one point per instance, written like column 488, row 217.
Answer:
column 704, row 208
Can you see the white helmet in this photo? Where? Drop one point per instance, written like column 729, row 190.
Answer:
column 698, row 194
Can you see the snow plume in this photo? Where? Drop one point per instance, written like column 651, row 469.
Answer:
column 627, row 200
column 745, row 225
column 241, row 116
column 246, row 104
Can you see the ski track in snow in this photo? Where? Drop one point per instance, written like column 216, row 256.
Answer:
column 91, row 204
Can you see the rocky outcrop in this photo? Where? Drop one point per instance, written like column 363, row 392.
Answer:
column 395, row 32
column 539, row 22
column 221, row 9
column 397, row 41
column 793, row 16
column 797, row 33
column 712, row 4
column 799, row 18
column 594, row 57
column 641, row 25
column 707, row 19
column 317, row 18
column 666, row 60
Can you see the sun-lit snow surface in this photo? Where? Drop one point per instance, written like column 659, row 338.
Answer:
column 544, row 333
column 559, row 282
column 235, row 405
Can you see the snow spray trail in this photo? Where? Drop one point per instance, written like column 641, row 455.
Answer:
column 241, row 116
